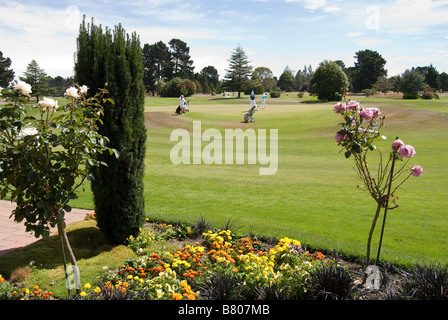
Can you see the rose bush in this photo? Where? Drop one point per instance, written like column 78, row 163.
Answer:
column 47, row 155
column 357, row 135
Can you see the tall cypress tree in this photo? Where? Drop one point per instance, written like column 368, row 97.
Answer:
column 113, row 60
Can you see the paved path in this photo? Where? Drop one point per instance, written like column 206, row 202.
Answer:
column 13, row 235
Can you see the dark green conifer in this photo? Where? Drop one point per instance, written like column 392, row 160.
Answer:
column 113, row 60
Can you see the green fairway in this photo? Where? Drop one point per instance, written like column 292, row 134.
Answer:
column 313, row 197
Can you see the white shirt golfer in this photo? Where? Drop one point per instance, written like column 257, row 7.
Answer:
column 263, row 100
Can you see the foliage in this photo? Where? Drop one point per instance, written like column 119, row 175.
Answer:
column 287, row 82
column 114, row 58
column 328, row 82
column 426, row 282
column 178, row 86
column 6, row 74
column 358, row 134
column 46, row 158
column 369, row 66
column 332, row 282
column 37, row 78
column 275, row 93
column 238, row 72
column 410, row 82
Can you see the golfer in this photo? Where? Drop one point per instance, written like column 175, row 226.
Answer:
column 263, row 100
column 252, row 100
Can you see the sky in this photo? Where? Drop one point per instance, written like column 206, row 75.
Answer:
column 276, row 34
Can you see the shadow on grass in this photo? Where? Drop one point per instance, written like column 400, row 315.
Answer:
column 85, row 239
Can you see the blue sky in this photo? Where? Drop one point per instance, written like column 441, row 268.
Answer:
column 274, row 33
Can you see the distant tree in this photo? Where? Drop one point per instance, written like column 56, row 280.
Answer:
column 182, row 65
column 328, row 82
column 369, row 66
column 238, row 72
column 6, row 74
column 156, row 65
column 287, row 82
column 299, row 81
column 58, row 85
column 209, row 79
column 410, row 82
column 431, row 76
column 266, row 78
column 443, row 79
column 37, row 78
column 384, row 85
column 253, row 84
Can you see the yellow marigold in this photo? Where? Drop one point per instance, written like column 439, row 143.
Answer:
column 83, row 294
column 87, row 286
column 97, row 290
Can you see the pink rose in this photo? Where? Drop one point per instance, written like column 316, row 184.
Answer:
column 397, row 144
column 339, row 137
column 406, row 151
column 416, row 170
column 369, row 113
column 339, row 107
column 353, row 105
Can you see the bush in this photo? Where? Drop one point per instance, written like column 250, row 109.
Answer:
column 177, row 86
column 275, row 94
column 427, row 95
column 300, row 94
column 411, row 96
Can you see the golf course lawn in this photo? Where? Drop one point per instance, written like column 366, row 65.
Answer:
column 313, row 196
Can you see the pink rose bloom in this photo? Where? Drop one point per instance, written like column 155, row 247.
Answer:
column 406, row 151
column 339, row 137
column 416, row 170
column 369, row 113
column 339, row 107
column 397, row 144
column 353, row 105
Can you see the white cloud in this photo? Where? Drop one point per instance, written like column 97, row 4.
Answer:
column 315, row 4
column 372, row 42
column 354, row 34
column 332, row 9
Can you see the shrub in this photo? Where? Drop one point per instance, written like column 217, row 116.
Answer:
column 427, row 95
column 177, row 86
column 275, row 94
column 411, row 96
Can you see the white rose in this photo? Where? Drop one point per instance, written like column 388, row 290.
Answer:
column 84, row 89
column 23, row 87
column 72, row 92
column 48, row 103
column 27, row 132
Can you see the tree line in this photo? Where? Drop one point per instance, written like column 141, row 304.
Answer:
column 168, row 71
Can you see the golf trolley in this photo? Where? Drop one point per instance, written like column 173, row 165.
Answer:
column 250, row 115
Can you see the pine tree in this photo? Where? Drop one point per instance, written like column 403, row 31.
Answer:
column 113, row 60
column 239, row 71
column 37, row 78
